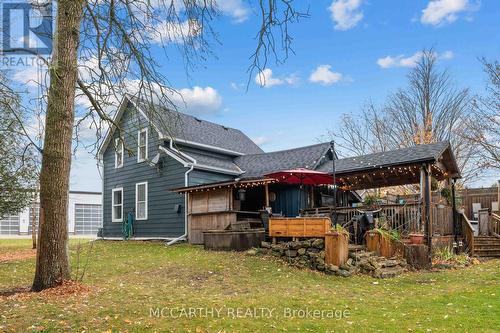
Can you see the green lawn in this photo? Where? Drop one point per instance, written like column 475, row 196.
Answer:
column 128, row 279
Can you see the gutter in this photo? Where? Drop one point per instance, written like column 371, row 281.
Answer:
column 186, row 183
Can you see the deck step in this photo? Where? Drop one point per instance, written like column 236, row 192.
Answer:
column 489, row 254
column 487, row 246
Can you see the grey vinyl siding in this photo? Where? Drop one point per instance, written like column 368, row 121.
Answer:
column 162, row 220
column 198, row 176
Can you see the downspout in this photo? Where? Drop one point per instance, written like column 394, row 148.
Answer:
column 186, row 183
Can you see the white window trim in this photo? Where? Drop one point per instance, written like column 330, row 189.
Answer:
column 120, row 143
column 118, row 189
column 137, row 201
column 144, row 130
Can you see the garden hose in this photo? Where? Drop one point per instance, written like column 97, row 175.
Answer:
column 128, row 226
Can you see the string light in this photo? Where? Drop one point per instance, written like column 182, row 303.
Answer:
column 346, row 183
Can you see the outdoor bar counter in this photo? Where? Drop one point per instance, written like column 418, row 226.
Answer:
column 299, row 226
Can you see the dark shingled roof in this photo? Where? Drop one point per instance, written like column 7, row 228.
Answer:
column 257, row 165
column 189, row 128
column 220, row 162
column 420, row 153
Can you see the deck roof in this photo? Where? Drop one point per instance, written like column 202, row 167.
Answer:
column 395, row 167
column 384, row 169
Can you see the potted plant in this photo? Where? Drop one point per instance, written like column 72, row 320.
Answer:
column 336, row 245
column 371, row 201
column 372, row 238
column 446, row 194
column 416, row 238
column 338, row 229
column 383, row 242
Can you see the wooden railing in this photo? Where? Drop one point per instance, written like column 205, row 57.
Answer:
column 402, row 217
column 495, row 225
column 467, row 232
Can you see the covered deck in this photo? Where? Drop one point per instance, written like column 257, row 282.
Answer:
column 224, row 205
column 255, row 201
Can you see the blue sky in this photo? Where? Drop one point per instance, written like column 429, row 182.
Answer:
column 359, row 50
column 288, row 115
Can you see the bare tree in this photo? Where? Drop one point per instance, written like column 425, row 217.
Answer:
column 102, row 50
column 17, row 166
column 430, row 109
column 485, row 123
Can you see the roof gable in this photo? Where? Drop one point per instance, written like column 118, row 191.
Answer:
column 194, row 131
column 411, row 155
column 187, row 129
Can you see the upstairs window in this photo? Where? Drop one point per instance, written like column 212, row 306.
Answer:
column 141, row 201
column 142, row 145
column 117, row 205
column 118, row 153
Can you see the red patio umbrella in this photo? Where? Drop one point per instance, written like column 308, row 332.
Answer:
column 301, row 176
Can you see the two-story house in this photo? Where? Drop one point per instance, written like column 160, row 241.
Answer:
column 149, row 152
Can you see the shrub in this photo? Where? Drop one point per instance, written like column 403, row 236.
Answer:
column 340, row 229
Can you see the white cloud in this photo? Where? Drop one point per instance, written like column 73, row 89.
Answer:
column 88, row 68
column 235, row 9
column 195, row 101
column 198, row 100
column 399, row 61
column 439, row 12
column 236, row 86
column 323, row 74
column 180, row 32
column 265, row 79
column 261, row 140
column 346, row 13
column 87, row 129
column 446, row 55
column 30, row 73
column 174, row 32
column 411, row 61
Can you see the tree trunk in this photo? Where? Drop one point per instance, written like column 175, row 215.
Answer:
column 52, row 262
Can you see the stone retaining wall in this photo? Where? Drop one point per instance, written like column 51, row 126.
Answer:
column 310, row 254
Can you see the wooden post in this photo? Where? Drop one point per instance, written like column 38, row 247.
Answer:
column 336, row 249
column 231, row 198
column 422, row 200
column 428, row 214
column 266, row 191
column 312, row 196
column 498, row 190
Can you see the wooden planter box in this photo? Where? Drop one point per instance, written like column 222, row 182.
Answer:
column 383, row 246
column 299, row 226
column 336, row 248
column 231, row 240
